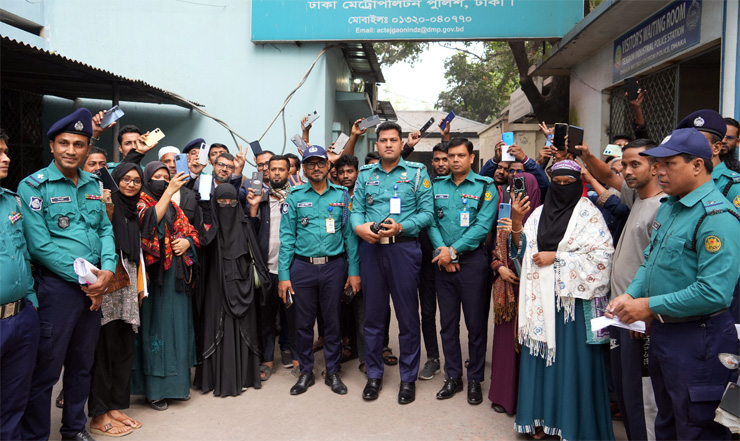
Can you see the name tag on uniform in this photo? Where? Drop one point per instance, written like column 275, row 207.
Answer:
column 395, row 205
column 305, row 204
column 330, row 225
column 372, row 183
column 441, row 196
column 464, row 219
column 59, row 199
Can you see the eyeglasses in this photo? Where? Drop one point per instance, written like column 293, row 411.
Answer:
column 226, row 166
column 263, row 164
column 227, row 203
column 127, row 181
column 314, row 164
column 730, row 138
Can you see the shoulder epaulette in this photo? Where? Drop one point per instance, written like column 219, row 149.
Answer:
column 367, row 167
column 711, row 205
column 485, row 179
column 735, row 177
column 35, row 179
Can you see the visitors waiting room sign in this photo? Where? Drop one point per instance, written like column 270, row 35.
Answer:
column 671, row 30
column 331, row 20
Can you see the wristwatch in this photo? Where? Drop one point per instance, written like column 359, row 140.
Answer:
column 453, row 254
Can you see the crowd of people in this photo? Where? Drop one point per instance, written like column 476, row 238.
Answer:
column 214, row 277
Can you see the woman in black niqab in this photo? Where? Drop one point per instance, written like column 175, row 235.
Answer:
column 231, row 265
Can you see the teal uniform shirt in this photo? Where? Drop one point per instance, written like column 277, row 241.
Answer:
column 16, row 281
column 63, row 222
column 448, row 204
column 303, row 228
column 682, row 282
column 724, row 177
column 375, row 189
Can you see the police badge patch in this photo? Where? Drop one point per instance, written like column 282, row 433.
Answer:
column 284, row 208
column 304, row 221
column 712, row 244
column 440, row 213
column 35, row 203
column 736, row 201
column 63, row 222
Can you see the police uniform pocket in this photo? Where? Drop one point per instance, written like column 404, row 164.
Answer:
column 95, row 212
column 60, row 216
column 673, row 251
column 45, row 334
column 704, row 400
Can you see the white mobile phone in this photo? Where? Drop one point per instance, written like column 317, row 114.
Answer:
column 155, row 136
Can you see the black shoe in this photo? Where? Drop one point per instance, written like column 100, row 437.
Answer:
column 333, row 381
column 82, row 436
column 475, row 395
column 407, row 392
column 304, row 382
column 451, row 387
column 286, row 358
column 498, row 409
column 158, row 404
column 372, row 388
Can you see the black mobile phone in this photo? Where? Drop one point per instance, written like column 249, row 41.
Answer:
column 288, row 299
column 575, row 137
column 256, row 183
column 558, row 139
column 436, row 253
column 347, row 295
column 426, row 126
column 519, row 187
column 107, row 179
column 256, row 147
column 632, row 87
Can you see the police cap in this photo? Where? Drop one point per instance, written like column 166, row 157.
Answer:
column 78, row 122
column 705, row 120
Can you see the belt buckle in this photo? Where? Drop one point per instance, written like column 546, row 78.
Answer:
column 319, row 260
column 384, row 240
column 9, row 310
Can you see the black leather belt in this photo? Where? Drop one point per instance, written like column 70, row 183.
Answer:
column 396, row 239
column 13, row 308
column 318, row 260
column 672, row 320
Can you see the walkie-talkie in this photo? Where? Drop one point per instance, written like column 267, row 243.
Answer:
column 377, row 226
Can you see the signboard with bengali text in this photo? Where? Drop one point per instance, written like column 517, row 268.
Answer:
column 671, row 30
column 378, row 20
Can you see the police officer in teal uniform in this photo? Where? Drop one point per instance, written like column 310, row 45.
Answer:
column 317, row 251
column 400, row 193
column 19, row 322
column 465, row 208
column 64, row 219
column 713, row 127
column 685, row 286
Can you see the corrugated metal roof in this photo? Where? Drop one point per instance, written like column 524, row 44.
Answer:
column 32, row 69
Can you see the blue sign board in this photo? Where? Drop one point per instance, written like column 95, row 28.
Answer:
column 673, row 29
column 330, row 20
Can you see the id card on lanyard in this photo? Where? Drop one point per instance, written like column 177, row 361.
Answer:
column 395, row 207
column 330, row 222
column 465, row 214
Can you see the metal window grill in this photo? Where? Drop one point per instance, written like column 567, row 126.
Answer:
column 20, row 117
column 659, row 107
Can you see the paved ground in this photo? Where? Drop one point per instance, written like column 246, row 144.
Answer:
column 272, row 413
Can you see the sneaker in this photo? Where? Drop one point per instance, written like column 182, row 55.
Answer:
column 286, row 357
column 430, row 368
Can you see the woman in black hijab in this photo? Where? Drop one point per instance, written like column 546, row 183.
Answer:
column 166, row 343
column 233, row 265
column 114, row 354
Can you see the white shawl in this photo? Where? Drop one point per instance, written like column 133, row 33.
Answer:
column 581, row 271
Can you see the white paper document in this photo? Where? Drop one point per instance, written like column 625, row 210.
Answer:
column 600, row 323
column 82, row 269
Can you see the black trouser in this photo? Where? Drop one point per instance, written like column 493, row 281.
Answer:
column 110, row 382
column 428, row 305
column 268, row 317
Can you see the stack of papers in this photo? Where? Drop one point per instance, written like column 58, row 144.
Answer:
column 600, row 323
column 82, row 269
